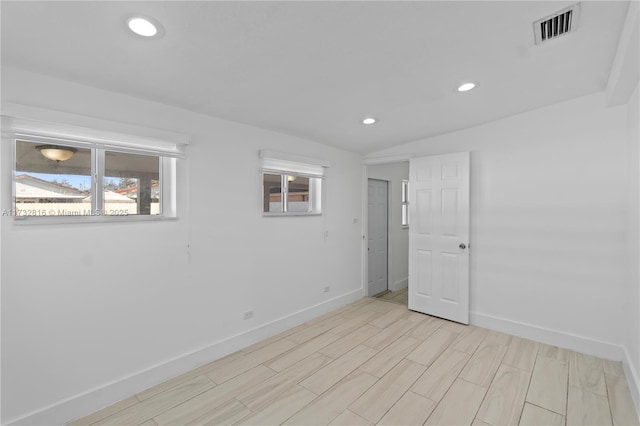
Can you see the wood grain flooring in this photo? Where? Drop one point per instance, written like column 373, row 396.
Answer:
column 400, row 296
column 375, row 362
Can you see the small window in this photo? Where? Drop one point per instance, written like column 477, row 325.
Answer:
column 405, row 203
column 291, row 184
column 289, row 193
column 62, row 179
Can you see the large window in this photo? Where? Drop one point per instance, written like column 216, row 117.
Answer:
column 76, row 179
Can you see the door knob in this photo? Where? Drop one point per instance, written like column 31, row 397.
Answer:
column 462, row 246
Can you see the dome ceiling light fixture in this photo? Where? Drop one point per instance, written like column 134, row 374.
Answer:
column 56, row 152
column 369, row 120
column 145, row 27
column 465, row 87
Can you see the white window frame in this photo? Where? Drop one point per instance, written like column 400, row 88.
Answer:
column 166, row 167
column 287, row 165
column 404, row 212
column 30, row 124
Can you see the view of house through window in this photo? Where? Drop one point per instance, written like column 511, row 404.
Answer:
column 290, row 193
column 272, row 197
column 56, row 180
column 50, row 187
column 131, row 184
column 297, row 194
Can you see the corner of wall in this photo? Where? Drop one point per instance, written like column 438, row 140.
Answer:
column 576, row 342
column 400, row 284
column 633, row 381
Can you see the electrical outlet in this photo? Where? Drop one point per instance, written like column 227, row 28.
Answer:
column 248, row 315
column 326, row 289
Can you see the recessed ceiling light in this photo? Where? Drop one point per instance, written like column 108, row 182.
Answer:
column 369, row 120
column 466, row 87
column 145, row 27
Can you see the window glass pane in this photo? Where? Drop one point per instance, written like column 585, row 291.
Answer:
column 131, row 184
column 405, row 203
column 405, row 215
column 298, row 194
column 405, row 191
column 52, row 180
column 272, row 193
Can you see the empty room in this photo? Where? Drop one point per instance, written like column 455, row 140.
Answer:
column 320, row 212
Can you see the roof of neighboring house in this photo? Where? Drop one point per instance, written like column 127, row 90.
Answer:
column 28, row 186
column 55, row 187
column 112, row 197
column 28, row 191
column 132, row 191
column 127, row 190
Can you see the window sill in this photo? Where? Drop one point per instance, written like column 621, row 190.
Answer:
column 67, row 220
column 290, row 214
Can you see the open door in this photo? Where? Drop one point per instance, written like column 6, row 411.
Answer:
column 439, row 236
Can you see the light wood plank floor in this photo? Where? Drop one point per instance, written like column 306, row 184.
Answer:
column 374, row 362
column 400, row 296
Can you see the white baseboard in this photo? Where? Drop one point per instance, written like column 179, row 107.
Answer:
column 400, row 284
column 93, row 400
column 632, row 379
column 574, row 342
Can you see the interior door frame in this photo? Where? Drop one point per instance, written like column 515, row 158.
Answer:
column 365, row 217
column 366, row 239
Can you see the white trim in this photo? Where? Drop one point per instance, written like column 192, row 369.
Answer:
column 400, row 284
column 549, row 336
column 364, row 230
column 93, row 400
column 292, row 158
column 389, row 236
column 632, row 379
column 574, row 342
column 387, row 159
column 270, row 165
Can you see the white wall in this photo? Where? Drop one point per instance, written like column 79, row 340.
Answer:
column 92, row 313
column 632, row 323
column 548, row 222
column 398, row 243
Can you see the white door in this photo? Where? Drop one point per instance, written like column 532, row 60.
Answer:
column 377, row 249
column 439, row 236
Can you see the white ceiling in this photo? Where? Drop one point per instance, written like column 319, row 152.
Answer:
column 315, row 69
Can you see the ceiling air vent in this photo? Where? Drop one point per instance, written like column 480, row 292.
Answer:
column 556, row 25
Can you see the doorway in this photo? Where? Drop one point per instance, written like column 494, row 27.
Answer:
column 378, row 244
column 437, row 231
column 396, row 228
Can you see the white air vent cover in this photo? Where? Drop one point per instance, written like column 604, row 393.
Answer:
column 556, row 25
